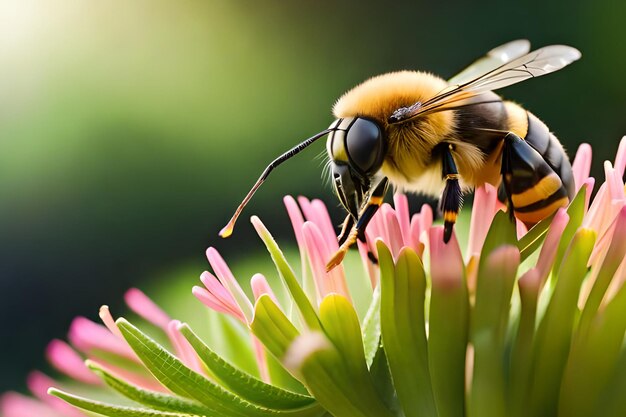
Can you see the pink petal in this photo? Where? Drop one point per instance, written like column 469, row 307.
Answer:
column 88, row 336
column 261, row 359
column 426, row 221
column 620, row 158
column 582, row 165
column 505, row 258
column 139, row 302
column 416, row 236
column 184, row 351
column 608, row 202
column 375, row 230
column 401, row 204
column 319, row 253
column 367, row 264
column 67, row 361
column 220, row 295
column 393, row 233
column 145, row 381
column 530, row 283
column 323, row 221
column 39, row 383
column 483, row 212
column 551, row 244
column 614, row 181
column 213, row 303
column 446, row 262
column 228, row 280
column 615, row 231
column 588, row 184
column 596, row 211
column 315, row 211
column 609, row 248
column 260, row 286
column 296, row 218
column 109, row 322
column 13, row 404
column 520, row 228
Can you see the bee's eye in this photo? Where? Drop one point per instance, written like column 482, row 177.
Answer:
column 365, row 146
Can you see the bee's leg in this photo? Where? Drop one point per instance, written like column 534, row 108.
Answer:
column 534, row 190
column 358, row 230
column 345, row 228
column 452, row 197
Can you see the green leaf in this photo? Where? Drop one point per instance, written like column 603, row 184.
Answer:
column 403, row 329
column 156, row 400
column 173, row 374
column 243, row 384
column 371, row 328
column 554, row 335
column 272, row 327
column 109, row 409
column 494, row 287
column 286, row 272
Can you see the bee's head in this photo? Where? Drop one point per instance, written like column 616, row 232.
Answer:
column 356, row 148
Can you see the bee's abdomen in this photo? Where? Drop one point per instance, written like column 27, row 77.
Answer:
column 550, row 187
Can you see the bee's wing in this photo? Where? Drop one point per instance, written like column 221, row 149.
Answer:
column 492, row 60
column 534, row 64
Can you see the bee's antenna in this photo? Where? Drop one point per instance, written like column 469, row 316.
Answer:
column 228, row 229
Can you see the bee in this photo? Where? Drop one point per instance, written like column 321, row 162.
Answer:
column 419, row 133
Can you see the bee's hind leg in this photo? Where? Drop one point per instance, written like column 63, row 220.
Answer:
column 452, row 197
column 534, row 190
column 358, row 230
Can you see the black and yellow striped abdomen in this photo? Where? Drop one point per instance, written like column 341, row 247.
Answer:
column 538, row 182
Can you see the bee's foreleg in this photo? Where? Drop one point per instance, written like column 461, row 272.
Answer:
column 534, row 190
column 357, row 231
column 452, row 198
column 346, row 226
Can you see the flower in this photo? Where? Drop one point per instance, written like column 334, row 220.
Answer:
column 507, row 321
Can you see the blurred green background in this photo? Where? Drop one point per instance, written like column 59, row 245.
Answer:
column 129, row 130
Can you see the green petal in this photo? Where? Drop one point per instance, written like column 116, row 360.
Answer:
column 272, row 327
column 532, row 240
column 447, row 346
column 554, row 335
column 403, row 328
column 331, row 379
column 494, row 287
column 286, row 272
column 371, row 328
column 594, row 357
column 522, row 349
